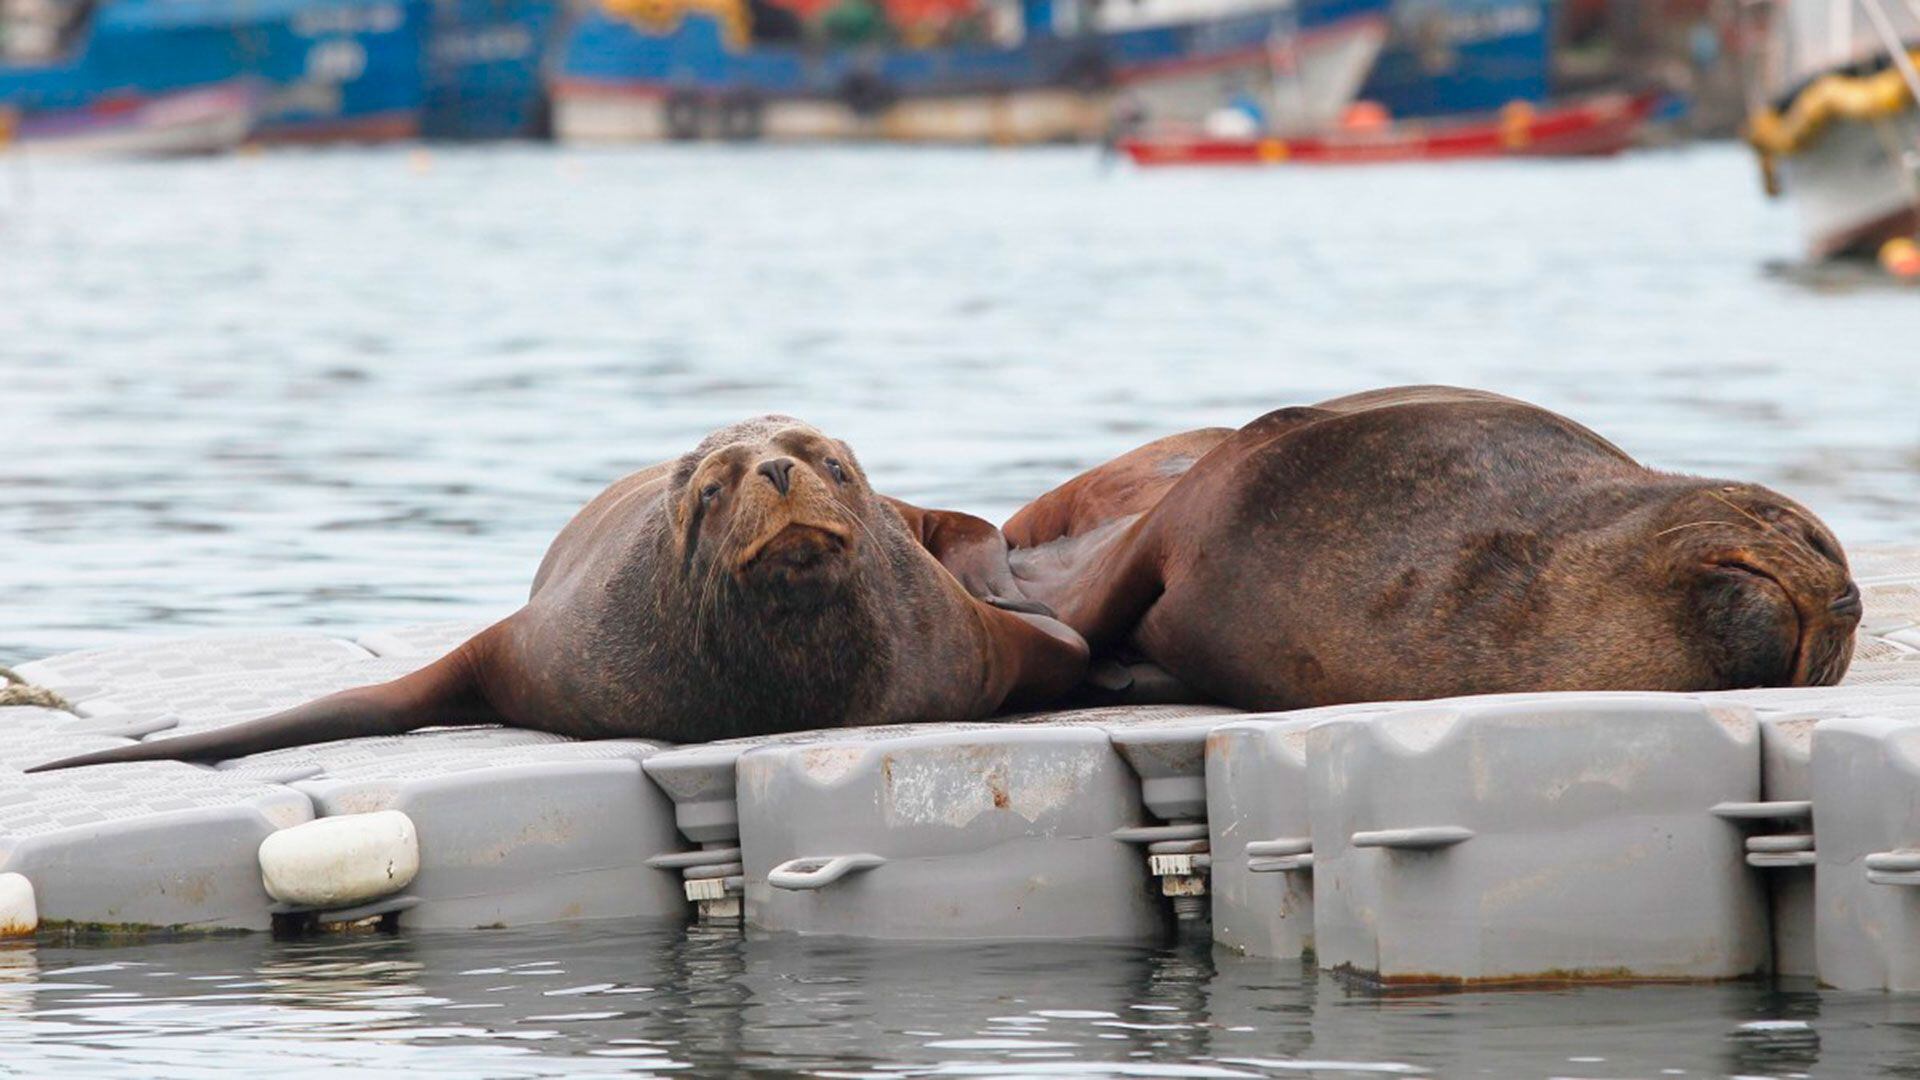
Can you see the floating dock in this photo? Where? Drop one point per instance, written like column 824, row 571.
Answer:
column 1501, row 840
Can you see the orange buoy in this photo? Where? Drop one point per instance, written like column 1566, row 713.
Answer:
column 1900, row 257
column 1366, row 116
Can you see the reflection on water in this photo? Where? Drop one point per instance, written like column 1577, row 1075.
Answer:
column 636, row 998
column 342, row 388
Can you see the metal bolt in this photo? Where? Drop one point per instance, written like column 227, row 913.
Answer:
column 1189, row 908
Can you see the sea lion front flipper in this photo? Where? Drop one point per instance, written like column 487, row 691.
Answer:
column 1037, row 659
column 446, row 691
column 1029, row 607
column 973, row 551
column 1100, row 584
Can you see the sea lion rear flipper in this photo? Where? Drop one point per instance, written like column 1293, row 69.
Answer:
column 1112, row 681
column 446, row 691
column 1128, row 485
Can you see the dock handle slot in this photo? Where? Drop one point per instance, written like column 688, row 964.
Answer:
column 687, row 860
column 1778, row 810
column 1277, row 856
column 1429, row 838
column 1894, row 867
column 1160, row 834
column 818, row 873
column 1267, row 849
column 1780, row 860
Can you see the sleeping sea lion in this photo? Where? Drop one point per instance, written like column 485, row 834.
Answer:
column 755, row 585
column 1427, row 542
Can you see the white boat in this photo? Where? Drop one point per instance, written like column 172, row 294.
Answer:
column 204, row 120
column 1833, row 116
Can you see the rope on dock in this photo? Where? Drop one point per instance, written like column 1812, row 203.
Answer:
column 19, row 691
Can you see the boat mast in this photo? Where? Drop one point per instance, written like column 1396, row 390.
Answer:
column 1283, row 70
column 1890, row 37
column 1897, row 50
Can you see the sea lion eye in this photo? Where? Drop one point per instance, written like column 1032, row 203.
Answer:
column 707, row 493
column 833, row 467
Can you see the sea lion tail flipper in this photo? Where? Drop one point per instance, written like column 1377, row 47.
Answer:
column 446, row 691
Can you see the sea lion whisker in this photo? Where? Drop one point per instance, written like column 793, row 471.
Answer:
column 708, row 588
column 857, row 523
column 1787, row 549
column 1693, row 525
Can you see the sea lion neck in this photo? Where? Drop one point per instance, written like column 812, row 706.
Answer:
column 779, row 656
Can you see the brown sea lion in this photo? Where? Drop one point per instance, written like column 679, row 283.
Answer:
column 755, row 585
column 1426, row 542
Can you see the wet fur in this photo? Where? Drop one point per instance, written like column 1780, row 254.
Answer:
column 1426, row 542
column 649, row 619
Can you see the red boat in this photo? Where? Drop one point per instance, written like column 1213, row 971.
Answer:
column 1603, row 124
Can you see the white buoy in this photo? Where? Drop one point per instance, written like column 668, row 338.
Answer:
column 340, row 862
column 19, row 915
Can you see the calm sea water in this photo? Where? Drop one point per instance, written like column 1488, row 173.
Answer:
column 361, row 387
column 619, row 998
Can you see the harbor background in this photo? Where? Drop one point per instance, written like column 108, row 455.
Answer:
column 360, row 386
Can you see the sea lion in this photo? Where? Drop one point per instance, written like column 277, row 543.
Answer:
column 1427, row 542
column 756, row 585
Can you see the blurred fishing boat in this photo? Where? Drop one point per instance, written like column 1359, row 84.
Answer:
column 207, row 120
column 1599, row 125
column 329, row 69
column 999, row 71
column 1463, row 57
column 1834, row 120
column 485, row 67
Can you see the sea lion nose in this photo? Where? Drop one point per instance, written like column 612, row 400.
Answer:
column 779, row 473
column 1847, row 604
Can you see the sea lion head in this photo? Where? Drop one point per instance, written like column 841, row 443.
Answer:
column 1766, row 581
column 773, row 504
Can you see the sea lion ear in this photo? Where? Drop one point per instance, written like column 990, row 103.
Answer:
column 683, row 471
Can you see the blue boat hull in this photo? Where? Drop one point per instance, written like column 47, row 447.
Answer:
column 486, row 68
column 330, row 70
column 612, row 71
column 1463, row 56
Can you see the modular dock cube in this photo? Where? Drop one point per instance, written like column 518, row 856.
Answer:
column 1166, row 748
column 1260, row 837
column 221, row 700
column 701, row 782
column 1002, row 832
column 32, row 736
column 1780, row 835
column 1480, row 840
column 1866, row 791
column 1558, row 838
column 428, row 641
column 153, row 845
column 81, row 675
column 515, row 827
